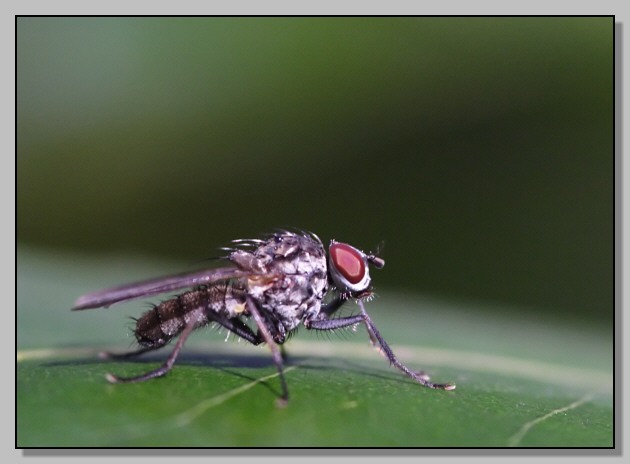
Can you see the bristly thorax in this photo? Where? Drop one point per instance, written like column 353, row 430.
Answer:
column 288, row 278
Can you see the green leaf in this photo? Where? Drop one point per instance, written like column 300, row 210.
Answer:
column 520, row 382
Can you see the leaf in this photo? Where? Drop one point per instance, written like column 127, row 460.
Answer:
column 520, row 382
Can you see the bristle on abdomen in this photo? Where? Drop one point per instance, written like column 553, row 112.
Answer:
column 162, row 323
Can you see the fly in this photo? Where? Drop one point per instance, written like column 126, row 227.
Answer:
column 278, row 283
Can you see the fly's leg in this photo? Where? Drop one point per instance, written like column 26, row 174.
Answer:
column 233, row 325
column 371, row 331
column 332, row 324
column 376, row 344
column 336, row 303
column 238, row 327
column 164, row 368
column 263, row 331
column 241, row 329
column 130, row 354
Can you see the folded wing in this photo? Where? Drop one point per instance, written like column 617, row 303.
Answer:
column 110, row 296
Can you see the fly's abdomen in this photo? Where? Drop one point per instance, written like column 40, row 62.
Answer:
column 200, row 306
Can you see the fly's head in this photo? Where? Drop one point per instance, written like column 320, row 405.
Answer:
column 348, row 268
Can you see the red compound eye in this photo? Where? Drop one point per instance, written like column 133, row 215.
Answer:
column 348, row 268
column 348, row 261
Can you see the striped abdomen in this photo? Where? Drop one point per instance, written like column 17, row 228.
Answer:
column 200, row 306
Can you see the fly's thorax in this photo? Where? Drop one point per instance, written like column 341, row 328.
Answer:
column 287, row 276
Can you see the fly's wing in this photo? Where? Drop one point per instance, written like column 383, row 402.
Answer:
column 107, row 297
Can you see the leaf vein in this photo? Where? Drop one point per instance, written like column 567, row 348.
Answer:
column 518, row 436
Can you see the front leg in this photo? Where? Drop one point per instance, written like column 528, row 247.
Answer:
column 335, row 304
column 332, row 324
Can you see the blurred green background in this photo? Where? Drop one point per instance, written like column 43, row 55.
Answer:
column 479, row 149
